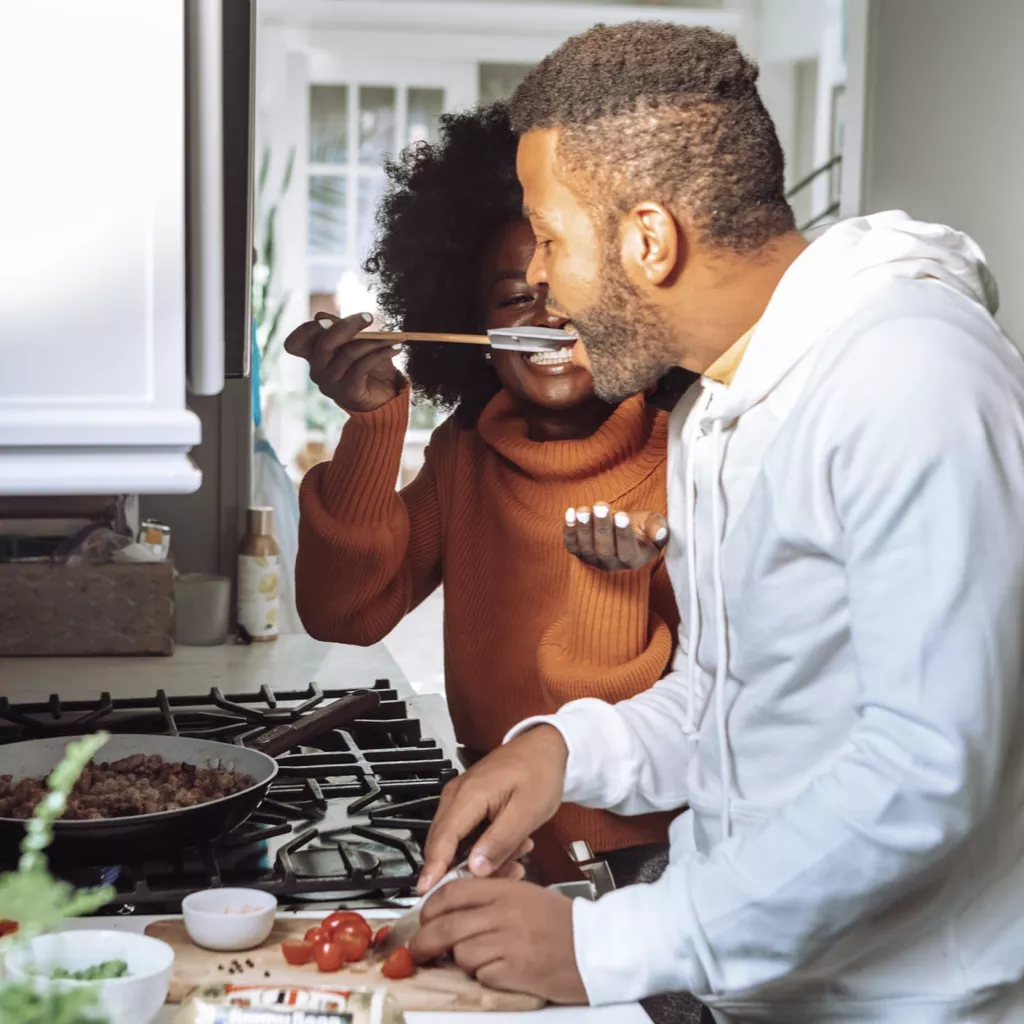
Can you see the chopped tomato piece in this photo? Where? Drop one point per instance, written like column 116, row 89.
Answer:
column 7, row 927
column 349, row 922
column 329, row 956
column 381, row 937
column 316, row 935
column 353, row 946
column 398, row 965
column 297, row 951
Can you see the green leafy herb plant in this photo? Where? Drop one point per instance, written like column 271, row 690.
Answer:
column 38, row 902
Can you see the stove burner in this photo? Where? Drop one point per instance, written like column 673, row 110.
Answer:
column 343, row 821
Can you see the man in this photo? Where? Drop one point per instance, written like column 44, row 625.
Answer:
column 846, row 493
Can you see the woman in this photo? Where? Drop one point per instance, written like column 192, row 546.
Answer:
column 526, row 627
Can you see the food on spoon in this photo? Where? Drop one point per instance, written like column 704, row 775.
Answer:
column 297, row 952
column 139, row 784
column 399, row 965
column 98, row 972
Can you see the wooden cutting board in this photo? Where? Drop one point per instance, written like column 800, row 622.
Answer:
column 435, row 988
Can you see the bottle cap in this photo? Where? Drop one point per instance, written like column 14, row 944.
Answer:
column 260, row 521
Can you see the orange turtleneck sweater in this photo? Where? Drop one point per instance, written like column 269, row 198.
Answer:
column 527, row 627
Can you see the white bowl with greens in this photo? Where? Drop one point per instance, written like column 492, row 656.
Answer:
column 129, row 973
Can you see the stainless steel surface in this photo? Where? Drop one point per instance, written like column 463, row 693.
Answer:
column 599, row 875
column 575, row 890
column 530, row 339
column 205, row 119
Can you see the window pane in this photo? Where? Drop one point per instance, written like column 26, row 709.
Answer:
column 376, row 124
column 425, row 107
column 328, row 215
column 370, row 192
column 324, row 277
column 499, row 81
column 328, row 124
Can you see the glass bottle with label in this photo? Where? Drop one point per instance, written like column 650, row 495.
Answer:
column 259, row 577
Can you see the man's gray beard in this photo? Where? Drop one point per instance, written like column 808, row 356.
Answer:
column 628, row 341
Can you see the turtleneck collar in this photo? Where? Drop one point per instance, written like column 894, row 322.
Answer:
column 623, row 450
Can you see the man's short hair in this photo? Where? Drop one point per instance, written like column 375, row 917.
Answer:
column 648, row 110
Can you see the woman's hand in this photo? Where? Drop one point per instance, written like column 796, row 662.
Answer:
column 614, row 541
column 356, row 375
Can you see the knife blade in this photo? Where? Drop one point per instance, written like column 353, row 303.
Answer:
column 402, row 931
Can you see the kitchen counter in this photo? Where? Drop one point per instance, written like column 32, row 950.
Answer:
column 290, row 663
column 631, row 1014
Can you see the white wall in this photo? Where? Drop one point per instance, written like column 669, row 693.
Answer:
column 943, row 123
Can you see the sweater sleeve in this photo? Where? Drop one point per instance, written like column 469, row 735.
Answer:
column 368, row 554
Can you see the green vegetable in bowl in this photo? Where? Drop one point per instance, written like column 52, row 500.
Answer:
column 98, row 972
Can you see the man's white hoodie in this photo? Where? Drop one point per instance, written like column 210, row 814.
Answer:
column 844, row 718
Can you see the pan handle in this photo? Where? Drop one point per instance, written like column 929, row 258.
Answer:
column 283, row 738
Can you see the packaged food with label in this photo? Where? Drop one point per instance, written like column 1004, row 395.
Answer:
column 276, row 1004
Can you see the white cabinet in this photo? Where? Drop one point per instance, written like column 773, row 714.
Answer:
column 92, row 249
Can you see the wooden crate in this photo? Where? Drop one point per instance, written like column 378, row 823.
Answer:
column 49, row 610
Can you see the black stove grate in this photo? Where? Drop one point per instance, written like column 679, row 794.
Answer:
column 343, row 822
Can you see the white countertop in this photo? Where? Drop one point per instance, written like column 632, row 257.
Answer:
column 631, row 1014
column 290, row 663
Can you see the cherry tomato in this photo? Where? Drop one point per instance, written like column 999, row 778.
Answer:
column 329, row 956
column 297, row 951
column 398, row 965
column 347, row 921
column 316, row 935
column 381, row 937
column 353, row 946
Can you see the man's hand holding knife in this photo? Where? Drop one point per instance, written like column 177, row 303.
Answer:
column 509, row 934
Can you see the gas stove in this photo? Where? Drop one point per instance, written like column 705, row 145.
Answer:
column 343, row 823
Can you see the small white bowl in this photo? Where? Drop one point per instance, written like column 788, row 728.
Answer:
column 133, row 999
column 229, row 920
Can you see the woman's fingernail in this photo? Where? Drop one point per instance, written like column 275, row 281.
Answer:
column 583, row 517
column 661, row 534
column 368, row 317
column 601, row 511
column 325, row 322
column 621, row 519
column 570, row 517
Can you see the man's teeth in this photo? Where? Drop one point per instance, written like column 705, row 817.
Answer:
column 563, row 355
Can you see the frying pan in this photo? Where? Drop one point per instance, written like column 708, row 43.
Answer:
column 116, row 840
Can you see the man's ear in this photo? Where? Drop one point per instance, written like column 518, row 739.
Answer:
column 651, row 243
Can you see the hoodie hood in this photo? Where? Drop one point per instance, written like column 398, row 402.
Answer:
column 836, row 274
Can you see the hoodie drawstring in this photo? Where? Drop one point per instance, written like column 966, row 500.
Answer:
column 721, row 631
column 694, row 625
column 694, row 605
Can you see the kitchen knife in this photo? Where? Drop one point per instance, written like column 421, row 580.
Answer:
column 402, row 931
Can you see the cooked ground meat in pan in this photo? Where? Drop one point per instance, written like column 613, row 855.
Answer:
column 140, row 784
